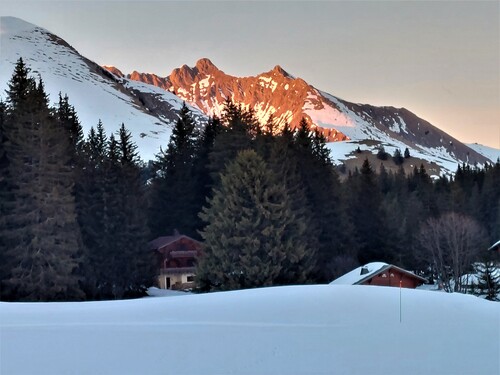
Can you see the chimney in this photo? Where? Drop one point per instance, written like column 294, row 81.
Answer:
column 364, row 271
column 176, row 232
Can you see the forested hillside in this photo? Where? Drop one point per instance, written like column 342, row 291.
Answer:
column 77, row 211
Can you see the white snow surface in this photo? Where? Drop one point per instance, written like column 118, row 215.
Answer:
column 357, row 128
column 327, row 116
column 320, row 329
column 355, row 275
column 490, row 152
column 93, row 96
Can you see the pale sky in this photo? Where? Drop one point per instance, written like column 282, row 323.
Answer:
column 439, row 59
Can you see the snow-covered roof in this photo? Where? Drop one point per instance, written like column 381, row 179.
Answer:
column 363, row 273
column 355, row 276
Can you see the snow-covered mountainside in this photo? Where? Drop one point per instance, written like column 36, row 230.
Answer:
column 147, row 111
column 318, row 329
column 288, row 99
column 148, row 104
column 491, row 153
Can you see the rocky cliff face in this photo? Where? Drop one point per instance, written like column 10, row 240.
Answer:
column 287, row 99
column 275, row 93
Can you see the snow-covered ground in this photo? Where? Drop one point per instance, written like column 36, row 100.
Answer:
column 321, row 329
column 491, row 153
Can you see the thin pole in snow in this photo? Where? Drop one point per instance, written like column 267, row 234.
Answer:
column 400, row 287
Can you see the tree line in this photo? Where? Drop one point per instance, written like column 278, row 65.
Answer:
column 77, row 212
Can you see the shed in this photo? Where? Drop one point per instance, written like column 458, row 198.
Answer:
column 380, row 274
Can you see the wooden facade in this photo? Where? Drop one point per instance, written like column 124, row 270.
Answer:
column 380, row 274
column 176, row 260
column 394, row 277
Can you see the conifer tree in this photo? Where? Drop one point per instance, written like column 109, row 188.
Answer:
column 68, row 120
column 172, row 199
column 488, row 283
column 201, row 168
column 114, row 217
column 238, row 133
column 407, row 153
column 330, row 223
column 5, row 195
column 42, row 236
column 133, row 261
column 365, row 208
column 397, row 157
column 253, row 237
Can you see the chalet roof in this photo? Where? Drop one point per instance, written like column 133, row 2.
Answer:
column 495, row 246
column 163, row 241
column 363, row 273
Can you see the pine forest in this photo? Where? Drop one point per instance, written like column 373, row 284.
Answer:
column 77, row 211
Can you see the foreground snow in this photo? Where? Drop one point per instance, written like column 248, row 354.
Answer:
column 323, row 329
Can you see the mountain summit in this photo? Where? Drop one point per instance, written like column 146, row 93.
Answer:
column 97, row 93
column 148, row 104
column 287, row 99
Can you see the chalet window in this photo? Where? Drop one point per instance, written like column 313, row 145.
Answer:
column 190, row 279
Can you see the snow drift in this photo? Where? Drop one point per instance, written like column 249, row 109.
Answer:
column 322, row 329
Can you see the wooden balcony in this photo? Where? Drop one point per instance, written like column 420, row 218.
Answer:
column 176, row 270
column 183, row 254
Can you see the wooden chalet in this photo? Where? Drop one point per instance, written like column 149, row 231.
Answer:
column 380, row 274
column 176, row 258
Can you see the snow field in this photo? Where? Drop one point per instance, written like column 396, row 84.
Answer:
column 321, row 329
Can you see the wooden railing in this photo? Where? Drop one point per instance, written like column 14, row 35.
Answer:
column 176, row 270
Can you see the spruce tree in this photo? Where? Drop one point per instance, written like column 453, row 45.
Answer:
column 330, row 224
column 5, row 195
column 68, row 120
column 407, row 153
column 252, row 236
column 366, row 213
column 238, row 133
column 173, row 193
column 42, row 238
column 201, row 168
column 488, row 283
column 134, row 262
column 114, row 218
column 397, row 157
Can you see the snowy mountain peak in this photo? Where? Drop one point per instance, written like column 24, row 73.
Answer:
column 148, row 104
column 147, row 111
column 289, row 99
column 13, row 25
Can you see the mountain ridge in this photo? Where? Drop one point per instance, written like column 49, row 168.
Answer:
column 148, row 104
column 148, row 112
column 288, row 99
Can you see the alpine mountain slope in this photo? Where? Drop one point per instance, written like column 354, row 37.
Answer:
column 147, row 111
column 148, row 104
column 345, row 125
